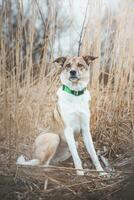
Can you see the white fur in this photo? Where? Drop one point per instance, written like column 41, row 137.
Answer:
column 22, row 161
column 75, row 114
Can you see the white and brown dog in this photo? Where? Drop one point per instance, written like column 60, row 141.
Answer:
column 70, row 119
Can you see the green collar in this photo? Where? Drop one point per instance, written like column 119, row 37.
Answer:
column 73, row 92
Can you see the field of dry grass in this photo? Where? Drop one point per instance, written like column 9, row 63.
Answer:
column 27, row 86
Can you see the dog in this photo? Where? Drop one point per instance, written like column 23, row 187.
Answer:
column 71, row 118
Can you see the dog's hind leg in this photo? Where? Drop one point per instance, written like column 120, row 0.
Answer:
column 45, row 147
column 22, row 161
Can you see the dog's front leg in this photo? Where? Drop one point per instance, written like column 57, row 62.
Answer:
column 89, row 143
column 73, row 149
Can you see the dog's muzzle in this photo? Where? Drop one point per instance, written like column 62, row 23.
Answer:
column 73, row 76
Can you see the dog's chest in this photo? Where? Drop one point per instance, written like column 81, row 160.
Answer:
column 72, row 108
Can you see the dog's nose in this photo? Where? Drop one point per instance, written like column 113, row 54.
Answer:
column 73, row 72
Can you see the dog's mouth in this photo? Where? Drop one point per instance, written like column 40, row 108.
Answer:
column 74, row 78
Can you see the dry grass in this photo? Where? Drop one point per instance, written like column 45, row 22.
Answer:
column 27, row 92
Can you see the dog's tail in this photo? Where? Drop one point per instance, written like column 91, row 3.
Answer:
column 22, row 161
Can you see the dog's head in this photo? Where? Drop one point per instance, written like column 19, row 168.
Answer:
column 75, row 70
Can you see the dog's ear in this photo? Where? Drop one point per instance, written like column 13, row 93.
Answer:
column 89, row 59
column 60, row 60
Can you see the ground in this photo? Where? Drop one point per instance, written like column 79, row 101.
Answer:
column 16, row 189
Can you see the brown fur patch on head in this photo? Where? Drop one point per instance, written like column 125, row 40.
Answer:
column 89, row 59
column 60, row 60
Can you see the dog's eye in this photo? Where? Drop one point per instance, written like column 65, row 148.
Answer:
column 68, row 66
column 80, row 66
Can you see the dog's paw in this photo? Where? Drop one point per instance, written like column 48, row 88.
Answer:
column 20, row 160
column 80, row 172
column 104, row 174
